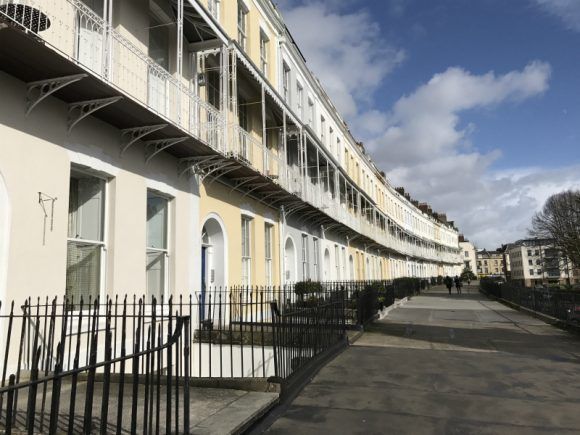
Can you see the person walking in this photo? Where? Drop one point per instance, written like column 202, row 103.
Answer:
column 448, row 283
column 457, row 284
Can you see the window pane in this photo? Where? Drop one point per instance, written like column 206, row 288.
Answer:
column 155, row 274
column 86, row 205
column 83, row 271
column 156, row 221
column 159, row 43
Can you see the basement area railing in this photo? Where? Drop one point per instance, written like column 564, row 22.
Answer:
column 128, row 364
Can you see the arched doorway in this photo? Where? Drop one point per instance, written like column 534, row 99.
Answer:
column 289, row 261
column 326, row 265
column 214, row 257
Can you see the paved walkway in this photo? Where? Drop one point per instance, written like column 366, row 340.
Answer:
column 446, row 365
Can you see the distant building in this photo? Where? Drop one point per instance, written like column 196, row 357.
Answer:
column 490, row 263
column 537, row 262
column 468, row 254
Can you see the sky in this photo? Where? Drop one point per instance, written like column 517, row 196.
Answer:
column 472, row 105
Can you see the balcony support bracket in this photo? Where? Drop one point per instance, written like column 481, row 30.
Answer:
column 239, row 182
column 79, row 111
column 220, row 168
column 154, row 147
column 40, row 89
column 132, row 135
column 196, row 164
column 290, row 210
column 225, row 169
column 253, row 187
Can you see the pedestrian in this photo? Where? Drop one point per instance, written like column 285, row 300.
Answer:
column 448, row 283
column 457, row 284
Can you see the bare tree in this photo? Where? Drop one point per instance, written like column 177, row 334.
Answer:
column 559, row 220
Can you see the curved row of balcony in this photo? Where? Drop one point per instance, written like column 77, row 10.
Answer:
column 88, row 40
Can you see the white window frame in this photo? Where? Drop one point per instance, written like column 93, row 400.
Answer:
column 311, row 113
column 242, row 25
column 299, row 99
column 337, row 262
column 286, row 71
column 315, row 262
column 322, row 130
column 105, row 227
column 264, row 45
column 305, row 257
column 164, row 251
column 269, row 251
column 214, row 8
column 246, row 253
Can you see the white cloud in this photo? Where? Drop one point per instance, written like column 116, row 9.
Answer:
column 425, row 123
column 567, row 10
column 345, row 50
column 426, row 151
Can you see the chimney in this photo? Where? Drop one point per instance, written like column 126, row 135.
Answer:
column 400, row 190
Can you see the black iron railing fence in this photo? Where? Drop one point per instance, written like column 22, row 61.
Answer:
column 95, row 368
column 561, row 304
column 301, row 333
column 126, row 364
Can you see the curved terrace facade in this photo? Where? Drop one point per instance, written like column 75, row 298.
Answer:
column 176, row 144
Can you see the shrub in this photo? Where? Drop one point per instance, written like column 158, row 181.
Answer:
column 307, row 288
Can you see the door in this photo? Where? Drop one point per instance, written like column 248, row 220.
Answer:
column 203, row 283
column 158, row 75
column 90, row 37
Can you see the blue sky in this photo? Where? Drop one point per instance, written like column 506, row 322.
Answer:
column 473, row 105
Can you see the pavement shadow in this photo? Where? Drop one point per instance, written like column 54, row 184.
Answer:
column 456, row 328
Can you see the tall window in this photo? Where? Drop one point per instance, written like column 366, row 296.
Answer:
column 268, row 230
column 264, row 44
column 331, row 139
column 214, row 8
column 242, row 25
column 322, row 130
column 159, row 52
column 159, row 42
column 310, row 113
column 246, row 250
column 300, row 99
column 286, row 82
column 305, row 274
column 157, row 251
column 337, row 262
column 315, row 262
column 85, row 247
column 343, row 263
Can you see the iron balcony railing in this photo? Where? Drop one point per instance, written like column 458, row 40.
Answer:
column 78, row 33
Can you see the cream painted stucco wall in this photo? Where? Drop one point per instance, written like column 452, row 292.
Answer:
column 36, row 153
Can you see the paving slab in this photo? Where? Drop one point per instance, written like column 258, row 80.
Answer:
column 446, row 365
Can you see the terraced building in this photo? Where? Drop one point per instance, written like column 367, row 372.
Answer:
column 172, row 145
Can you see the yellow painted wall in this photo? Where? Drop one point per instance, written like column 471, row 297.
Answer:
column 219, row 199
